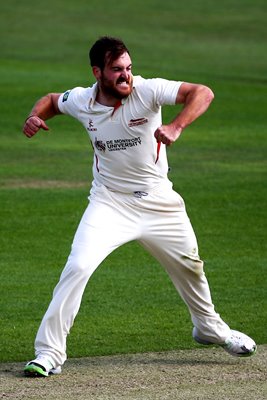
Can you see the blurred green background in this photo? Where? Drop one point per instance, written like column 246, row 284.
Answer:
column 218, row 166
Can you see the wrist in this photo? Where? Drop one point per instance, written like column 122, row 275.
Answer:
column 30, row 116
column 177, row 128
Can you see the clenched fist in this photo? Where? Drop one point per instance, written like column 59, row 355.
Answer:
column 32, row 126
column 167, row 134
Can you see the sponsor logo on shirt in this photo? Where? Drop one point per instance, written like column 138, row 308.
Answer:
column 123, row 144
column 138, row 121
column 117, row 144
column 99, row 145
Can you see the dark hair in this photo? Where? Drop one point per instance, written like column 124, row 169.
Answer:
column 106, row 50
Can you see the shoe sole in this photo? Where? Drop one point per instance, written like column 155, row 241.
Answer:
column 244, row 354
column 34, row 371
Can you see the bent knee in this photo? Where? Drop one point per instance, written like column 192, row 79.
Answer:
column 193, row 264
column 80, row 265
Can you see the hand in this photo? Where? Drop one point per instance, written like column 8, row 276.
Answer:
column 167, row 134
column 32, row 126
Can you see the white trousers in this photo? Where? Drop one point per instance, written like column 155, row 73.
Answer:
column 158, row 221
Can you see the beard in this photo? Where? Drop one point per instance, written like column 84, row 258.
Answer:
column 119, row 90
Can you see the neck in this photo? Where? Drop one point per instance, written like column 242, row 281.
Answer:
column 106, row 99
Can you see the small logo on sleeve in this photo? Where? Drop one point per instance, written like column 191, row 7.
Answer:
column 65, row 96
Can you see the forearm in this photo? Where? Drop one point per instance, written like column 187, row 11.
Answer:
column 196, row 102
column 46, row 107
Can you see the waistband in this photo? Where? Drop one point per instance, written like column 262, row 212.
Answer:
column 166, row 185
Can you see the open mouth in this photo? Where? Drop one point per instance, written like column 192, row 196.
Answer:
column 123, row 83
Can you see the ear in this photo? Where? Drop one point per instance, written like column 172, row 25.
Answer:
column 97, row 72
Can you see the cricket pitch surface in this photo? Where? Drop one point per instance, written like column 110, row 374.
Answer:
column 199, row 374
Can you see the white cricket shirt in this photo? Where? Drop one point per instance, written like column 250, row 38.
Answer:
column 126, row 158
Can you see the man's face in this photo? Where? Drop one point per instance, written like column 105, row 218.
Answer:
column 116, row 79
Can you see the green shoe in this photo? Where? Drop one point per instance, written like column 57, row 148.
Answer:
column 40, row 368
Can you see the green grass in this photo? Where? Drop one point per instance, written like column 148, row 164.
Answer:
column 218, row 166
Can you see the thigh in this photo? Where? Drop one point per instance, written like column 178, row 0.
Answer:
column 105, row 225
column 171, row 239
column 168, row 232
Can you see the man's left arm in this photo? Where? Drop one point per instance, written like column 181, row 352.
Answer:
column 196, row 99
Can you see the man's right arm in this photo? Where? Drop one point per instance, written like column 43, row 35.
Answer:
column 45, row 108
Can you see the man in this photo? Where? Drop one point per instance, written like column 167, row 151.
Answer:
column 131, row 196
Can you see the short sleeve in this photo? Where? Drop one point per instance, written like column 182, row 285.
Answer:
column 71, row 101
column 157, row 92
column 166, row 91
